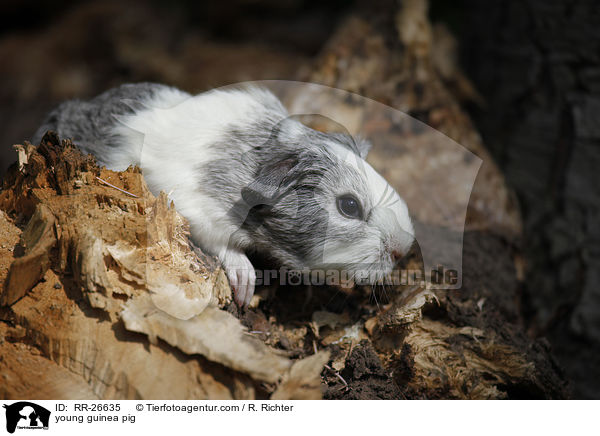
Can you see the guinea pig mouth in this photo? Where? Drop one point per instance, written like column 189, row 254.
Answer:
column 396, row 255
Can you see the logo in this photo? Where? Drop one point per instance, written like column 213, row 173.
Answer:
column 26, row 415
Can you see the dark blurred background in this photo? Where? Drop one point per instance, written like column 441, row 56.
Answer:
column 535, row 63
column 55, row 50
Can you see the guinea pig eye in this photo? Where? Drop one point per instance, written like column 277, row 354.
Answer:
column 349, row 207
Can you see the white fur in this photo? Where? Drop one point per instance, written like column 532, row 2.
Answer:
column 174, row 134
column 170, row 140
column 389, row 223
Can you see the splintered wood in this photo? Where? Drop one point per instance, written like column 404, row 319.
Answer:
column 94, row 267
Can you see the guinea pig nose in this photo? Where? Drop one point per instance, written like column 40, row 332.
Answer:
column 396, row 255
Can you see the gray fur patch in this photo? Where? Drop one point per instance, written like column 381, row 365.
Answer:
column 89, row 123
column 276, row 191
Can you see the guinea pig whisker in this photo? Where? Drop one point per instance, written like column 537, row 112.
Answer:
column 385, row 293
column 382, row 198
column 375, row 297
column 394, row 202
column 337, row 291
column 388, row 197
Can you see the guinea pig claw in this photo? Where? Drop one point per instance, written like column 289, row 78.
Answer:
column 242, row 277
column 243, row 286
column 251, row 277
column 233, row 283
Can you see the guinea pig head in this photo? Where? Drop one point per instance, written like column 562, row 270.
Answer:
column 320, row 205
column 369, row 228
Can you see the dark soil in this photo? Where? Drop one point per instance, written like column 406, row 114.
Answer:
column 365, row 378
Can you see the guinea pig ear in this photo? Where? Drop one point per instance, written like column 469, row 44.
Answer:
column 357, row 145
column 266, row 187
column 363, row 146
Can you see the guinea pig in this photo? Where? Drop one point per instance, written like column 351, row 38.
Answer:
column 247, row 176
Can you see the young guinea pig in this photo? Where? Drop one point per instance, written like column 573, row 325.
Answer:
column 247, row 177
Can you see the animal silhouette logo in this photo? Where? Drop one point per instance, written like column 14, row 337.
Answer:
column 26, row 415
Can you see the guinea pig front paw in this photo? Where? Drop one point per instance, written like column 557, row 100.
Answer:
column 241, row 274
